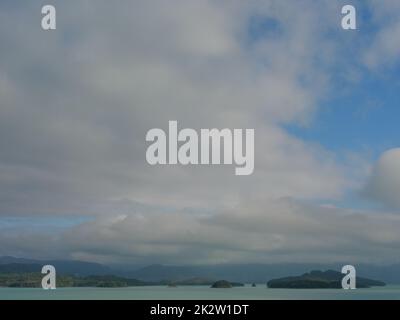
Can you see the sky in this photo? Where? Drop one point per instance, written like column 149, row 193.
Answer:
column 76, row 104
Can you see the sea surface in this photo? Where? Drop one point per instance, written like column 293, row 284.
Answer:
column 261, row 292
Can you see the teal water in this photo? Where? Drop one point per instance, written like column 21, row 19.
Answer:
column 261, row 292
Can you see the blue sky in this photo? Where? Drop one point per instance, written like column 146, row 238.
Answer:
column 362, row 118
column 40, row 224
column 359, row 115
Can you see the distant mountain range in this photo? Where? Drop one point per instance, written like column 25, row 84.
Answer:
column 244, row 273
column 81, row 268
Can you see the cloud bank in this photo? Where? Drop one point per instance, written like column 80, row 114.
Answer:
column 77, row 103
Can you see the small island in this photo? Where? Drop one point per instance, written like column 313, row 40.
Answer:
column 316, row 279
column 226, row 284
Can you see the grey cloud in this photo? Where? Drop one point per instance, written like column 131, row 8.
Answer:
column 384, row 182
column 278, row 231
column 79, row 101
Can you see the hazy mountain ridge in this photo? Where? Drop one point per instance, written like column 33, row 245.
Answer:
column 74, row 267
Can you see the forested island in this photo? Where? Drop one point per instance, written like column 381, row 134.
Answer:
column 33, row 280
column 329, row 279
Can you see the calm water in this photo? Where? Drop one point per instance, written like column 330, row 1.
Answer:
column 261, row 292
